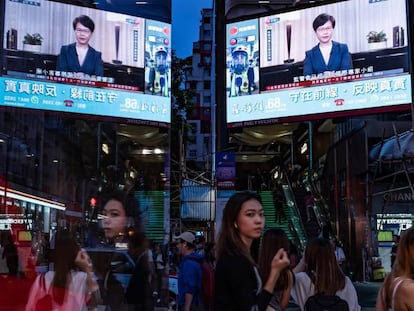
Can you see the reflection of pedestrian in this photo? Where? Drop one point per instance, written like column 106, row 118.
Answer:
column 79, row 57
column 327, row 55
column 11, row 256
column 139, row 290
column 117, row 216
column 71, row 284
column 111, row 290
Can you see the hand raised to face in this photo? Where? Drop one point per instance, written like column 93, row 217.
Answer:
column 83, row 261
column 280, row 260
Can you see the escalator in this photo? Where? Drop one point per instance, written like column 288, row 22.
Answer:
column 283, row 215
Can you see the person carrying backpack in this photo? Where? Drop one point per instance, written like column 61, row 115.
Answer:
column 189, row 274
column 320, row 283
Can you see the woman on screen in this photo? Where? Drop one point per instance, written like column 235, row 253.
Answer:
column 79, row 57
column 328, row 55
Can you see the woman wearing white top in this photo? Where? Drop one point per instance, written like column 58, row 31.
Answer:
column 71, row 284
column 319, row 272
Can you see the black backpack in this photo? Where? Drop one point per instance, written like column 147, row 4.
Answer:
column 320, row 302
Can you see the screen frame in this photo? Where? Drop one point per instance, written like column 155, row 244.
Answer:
column 275, row 118
column 143, row 107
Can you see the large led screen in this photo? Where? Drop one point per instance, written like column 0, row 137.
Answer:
column 319, row 61
column 125, row 71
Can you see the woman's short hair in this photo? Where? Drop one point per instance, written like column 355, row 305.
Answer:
column 322, row 19
column 85, row 21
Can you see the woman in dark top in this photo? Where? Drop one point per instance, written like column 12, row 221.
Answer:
column 237, row 284
column 80, row 58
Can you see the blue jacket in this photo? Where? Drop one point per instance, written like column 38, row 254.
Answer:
column 189, row 278
column 68, row 61
column 340, row 59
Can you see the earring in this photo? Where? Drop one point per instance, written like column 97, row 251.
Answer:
column 235, row 225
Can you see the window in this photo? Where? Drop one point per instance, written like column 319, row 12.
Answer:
column 192, row 153
column 193, row 85
column 207, row 60
column 194, row 127
column 207, row 85
column 206, row 99
column 207, row 46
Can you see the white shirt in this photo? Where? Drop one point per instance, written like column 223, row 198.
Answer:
column 304, row 288
column 75, row 295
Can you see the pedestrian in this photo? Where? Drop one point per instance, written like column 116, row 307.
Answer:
column 200, row 244
column 11, row 255
column 273, row 240
column 210, row 254
column 139, row 290
column 309, row 202
column 237, row 283
column 159, row 263
column 71, row 284
column 189, row 274
column 111, row 290
column 294, row 256
column 396, row 293
column 318, row 273
column 340, row 256
column 394, row 248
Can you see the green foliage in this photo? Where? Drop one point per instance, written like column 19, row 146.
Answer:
column 33, row 39
column 374, row 36
column 182, row 105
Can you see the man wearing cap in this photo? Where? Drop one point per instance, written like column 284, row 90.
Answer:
column 189, row 274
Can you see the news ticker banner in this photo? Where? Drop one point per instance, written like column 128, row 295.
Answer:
column 328, row 98
column 46, row 95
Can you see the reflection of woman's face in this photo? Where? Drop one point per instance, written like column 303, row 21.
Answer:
column 114, row 221
column 83, row 34
column 324, row 33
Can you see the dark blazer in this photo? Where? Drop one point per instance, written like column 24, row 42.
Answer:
column 68, row 61
column 340, row 59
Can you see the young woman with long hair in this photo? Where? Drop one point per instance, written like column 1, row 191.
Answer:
column 273, row 240
column 237, row 283
column 70, row 284
column 396, row 293
column 321, row 274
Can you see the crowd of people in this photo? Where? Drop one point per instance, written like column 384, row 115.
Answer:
column 249, row 268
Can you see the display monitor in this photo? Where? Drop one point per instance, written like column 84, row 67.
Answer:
column 66, row 57
column 335, row 59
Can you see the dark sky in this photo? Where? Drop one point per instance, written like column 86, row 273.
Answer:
column 185, row 24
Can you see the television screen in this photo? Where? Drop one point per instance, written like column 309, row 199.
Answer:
column 337, row 59
column 385, row 236
column 71, row 58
